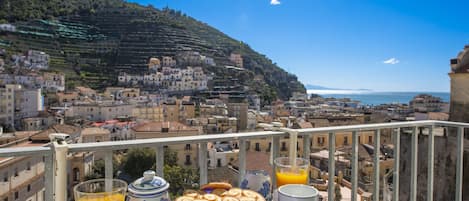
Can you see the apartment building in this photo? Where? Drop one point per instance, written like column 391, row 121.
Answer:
column 48, row 81
column 22, row 178
column 151, row 113
column 119, row 93
column 154, row 64
column 168, row 61
column 37, row 60
column 240, row 112
column 19, row 103
column 102, row 111
column 187, row 153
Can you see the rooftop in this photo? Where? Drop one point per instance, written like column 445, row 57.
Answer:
column 94, row 131
column 173, row 126
column 59, row 128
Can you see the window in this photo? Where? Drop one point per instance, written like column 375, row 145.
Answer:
column 370, row 139
column 28, row 166
column 188, row 147
column 16, row 195
column 284, row 146
column 29, row 187
column 5, row 177
column 5, row 199
column 188, row 160
column 219, row 162
column 16, row 172
column 270, row 147
column 258, row 147
column 76, row 174
column 346, row 140
column 320, row 140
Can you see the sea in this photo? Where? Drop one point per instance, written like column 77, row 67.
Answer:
column 367, row 97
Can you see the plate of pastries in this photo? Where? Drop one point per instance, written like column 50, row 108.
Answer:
column 220, row 191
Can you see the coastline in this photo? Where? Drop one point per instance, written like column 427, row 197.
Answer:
column 367, row 97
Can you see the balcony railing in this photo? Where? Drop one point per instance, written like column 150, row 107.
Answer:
column 55, row 155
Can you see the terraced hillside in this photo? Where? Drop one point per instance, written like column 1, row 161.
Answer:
column 92, row 41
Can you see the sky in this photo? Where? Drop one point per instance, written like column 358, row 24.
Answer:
column 381, row 45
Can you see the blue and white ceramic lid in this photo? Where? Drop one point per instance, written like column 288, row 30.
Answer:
column 149, row 184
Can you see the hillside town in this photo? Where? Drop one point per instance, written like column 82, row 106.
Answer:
column 168, row 101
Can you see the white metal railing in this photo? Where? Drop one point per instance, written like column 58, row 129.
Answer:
column 58, row 192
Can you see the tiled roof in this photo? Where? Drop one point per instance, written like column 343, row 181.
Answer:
column 256, row 161
column 438, row 116
column 59, row 128
column 94, row 131
column 305, row 125
column 157, row 126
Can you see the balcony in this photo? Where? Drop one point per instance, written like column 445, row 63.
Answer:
column 55, row 156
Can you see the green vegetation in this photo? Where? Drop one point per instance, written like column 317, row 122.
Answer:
column 136, row 161
column 93, row 40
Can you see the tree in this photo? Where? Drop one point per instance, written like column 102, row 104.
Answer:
column 99, row 169
column 337, row 193
column 137, row 161
column 180, row 178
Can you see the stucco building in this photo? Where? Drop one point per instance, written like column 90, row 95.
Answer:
column 187, row 153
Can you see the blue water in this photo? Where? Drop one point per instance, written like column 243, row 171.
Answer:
column 376, row 98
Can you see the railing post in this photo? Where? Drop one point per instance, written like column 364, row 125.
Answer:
column 160, row 160
column 49, row 176
column 397, row 152
column 431, row 150
column 413, row 165
column 203, row 163
column 459, row 163
column 275, row 152
column 376, row 168
column 242, row 160
column 108, row 170
column 306, row 146
column 60, row 148
column 307, row 150
column 354, row 164
column 330, row 182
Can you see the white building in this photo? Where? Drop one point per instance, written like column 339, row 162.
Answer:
column 18, row 103
column 47, row 81
column 171, row 79
column 37, row 60
column 125, row 78
column 7, row 27
column 168, row 61
column 99, row 112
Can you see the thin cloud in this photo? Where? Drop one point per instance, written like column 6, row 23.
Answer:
column 391, row 61
column 274, row 2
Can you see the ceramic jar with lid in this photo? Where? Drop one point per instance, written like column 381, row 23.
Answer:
column 149, row 188
column 259, row 181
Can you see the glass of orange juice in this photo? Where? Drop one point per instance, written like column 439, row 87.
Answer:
column 101, row 190
column 288, row 174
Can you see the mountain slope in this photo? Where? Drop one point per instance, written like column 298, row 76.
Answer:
column 93, row 40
